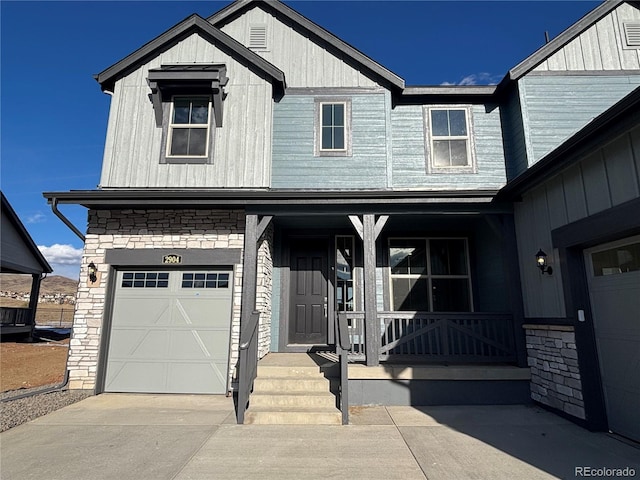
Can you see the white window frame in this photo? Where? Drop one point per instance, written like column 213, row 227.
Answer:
column 346, row 151
column 171, row 126
column 428, row 276
column 470, row 167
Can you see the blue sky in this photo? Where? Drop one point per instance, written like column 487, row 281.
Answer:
column 53, row 115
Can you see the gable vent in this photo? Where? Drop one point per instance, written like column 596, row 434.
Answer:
column 258, row 36
column 632, row 34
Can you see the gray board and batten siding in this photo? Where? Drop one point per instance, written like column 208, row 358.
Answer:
column 554, row 107
column 609, row 176
column 601, row 47
column 132, row 149
column 309, row 55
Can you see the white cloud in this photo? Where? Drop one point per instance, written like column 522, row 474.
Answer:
column 37, row 217
column 482, row 78
column 64, row 259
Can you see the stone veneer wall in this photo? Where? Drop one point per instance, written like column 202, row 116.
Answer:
column 264, row 289
column 144, row 229
column 555, row 373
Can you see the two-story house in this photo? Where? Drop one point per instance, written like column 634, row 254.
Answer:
column 256, row 162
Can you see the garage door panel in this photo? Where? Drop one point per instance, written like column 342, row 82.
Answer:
column 622, row 419
column 139, row 377
column 621, row 361
column 139, row 343
column 142, row 311
column 209, row 312
column 199, row 344
column 173, row 339
column 197, row 377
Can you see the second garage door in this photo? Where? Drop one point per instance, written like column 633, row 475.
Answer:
column 170, row 332
column 614, row 281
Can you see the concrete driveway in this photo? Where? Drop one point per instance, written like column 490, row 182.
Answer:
column 159, row 437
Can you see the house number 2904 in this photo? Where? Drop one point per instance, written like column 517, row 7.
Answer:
column 172, row 259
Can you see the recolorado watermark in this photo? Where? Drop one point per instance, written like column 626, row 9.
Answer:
column 605, row 472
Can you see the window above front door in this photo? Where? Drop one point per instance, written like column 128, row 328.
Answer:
column 332, row 127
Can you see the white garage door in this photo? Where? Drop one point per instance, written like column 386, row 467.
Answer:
column 170, row 332
column 614, row 283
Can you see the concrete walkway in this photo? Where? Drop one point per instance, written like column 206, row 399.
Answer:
column 159, row 437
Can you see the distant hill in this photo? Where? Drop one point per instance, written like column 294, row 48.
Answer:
column 50, row 285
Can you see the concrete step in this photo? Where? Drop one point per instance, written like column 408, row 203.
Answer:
column 285, row 384
column 278, row 400
column 297, row 371
column 293, row 389
column 290, row 416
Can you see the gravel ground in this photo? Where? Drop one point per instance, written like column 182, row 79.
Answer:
column 22, row 410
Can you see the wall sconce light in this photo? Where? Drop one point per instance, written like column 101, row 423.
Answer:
column 541, row 261
column 92, row 270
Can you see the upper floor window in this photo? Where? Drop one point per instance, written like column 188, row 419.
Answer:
column 449, row 145
column 333, row 127
column 187, row 101
column 429, row 274
column 189, row 129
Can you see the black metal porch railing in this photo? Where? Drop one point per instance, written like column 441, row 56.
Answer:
column 343, row 346
column 247, row 364
column 461, row 337
column 12, row 316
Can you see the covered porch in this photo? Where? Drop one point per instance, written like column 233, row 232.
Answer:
column 20, row 255
column 346, row 281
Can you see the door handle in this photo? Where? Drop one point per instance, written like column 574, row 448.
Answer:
column 326, row 307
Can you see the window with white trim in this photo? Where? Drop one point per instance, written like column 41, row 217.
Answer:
column 333, row 127
column 430, row 275
column 449, row 145
column 190, row 127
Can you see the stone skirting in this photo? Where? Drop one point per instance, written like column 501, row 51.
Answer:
column 555, row 374
column 148, row 229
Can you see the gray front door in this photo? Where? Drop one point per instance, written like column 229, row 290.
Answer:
column 170, row 332
column 308, row 300
column 614, row 284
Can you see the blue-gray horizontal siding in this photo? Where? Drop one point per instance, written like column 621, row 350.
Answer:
column 557, row 106
column 408, row 151
column 294, row 164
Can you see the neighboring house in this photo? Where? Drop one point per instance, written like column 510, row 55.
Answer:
column 254, row 161
column 19, row 255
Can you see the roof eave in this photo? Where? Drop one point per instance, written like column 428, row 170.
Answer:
column 192, row 24
column 240, row 198
column 544, row 52
column 11, row 214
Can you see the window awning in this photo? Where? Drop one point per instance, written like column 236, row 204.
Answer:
column 184, row 78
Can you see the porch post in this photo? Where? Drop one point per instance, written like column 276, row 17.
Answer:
column 36, row 279
column 512, row 271
column 252, row 233
column 372, row 329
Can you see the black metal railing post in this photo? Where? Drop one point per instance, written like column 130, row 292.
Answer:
column 343, row 346
column 247, row 364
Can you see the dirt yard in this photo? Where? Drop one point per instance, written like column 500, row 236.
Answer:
column 28, row 365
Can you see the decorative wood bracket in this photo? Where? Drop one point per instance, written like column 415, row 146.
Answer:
column 181, row 79
column 379, row 225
